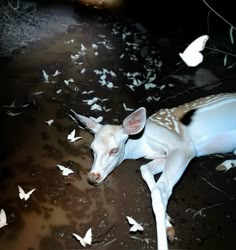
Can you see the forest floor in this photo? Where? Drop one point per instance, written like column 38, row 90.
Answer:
column 117, row 59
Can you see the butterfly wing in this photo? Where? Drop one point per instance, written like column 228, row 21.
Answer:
column 191, row 55
column 75, row 139
column 88, row 237
column 45, row 75
column 99, row 119
column 131, row 220
column 21, row 192
column 50, row 122
column 80, row 239
column 29, row 193
column 3, row 218
column 71, row 135
column 62, row 168
column 136, row 227
column 192, row 60
column 67, row 171
column 197, row 45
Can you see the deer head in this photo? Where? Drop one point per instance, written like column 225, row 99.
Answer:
column 109, row 142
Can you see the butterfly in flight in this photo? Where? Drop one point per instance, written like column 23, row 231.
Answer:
column 135, row 225
column 192, row 55
column 24, row 195
column 86, row 240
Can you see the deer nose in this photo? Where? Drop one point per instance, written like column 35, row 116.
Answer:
column 93, row 178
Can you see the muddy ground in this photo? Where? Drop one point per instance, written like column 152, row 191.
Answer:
column 113, row 48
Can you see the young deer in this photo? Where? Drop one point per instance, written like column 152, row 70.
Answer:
column 171, row 138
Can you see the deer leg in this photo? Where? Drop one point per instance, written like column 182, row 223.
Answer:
column 148, row 172
column 159, row 209
column 228, row 164
column 150, row 169
column 175, row 164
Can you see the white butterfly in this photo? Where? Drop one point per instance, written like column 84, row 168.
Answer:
column 94, row 46
column 25, row 105
column 49, row 122
column 95, row 106
column 82, row 71
column 45, row 76
column 82, row 47
column 3, row 218
column 87, row 238
column 56, row 73
column 192, row 55
column 135, row 225
column 12, row 105
column 87, row 92
column 67, row 82
column 150, row 85
column 24, row 195
column 71, row 137
column 39, row 93
column 126, row 108
column 65, row 171
column 98, row 119
column 10, row 113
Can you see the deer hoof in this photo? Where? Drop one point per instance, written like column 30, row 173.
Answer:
column 170, row 234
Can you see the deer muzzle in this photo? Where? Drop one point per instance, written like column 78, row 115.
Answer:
column 94, row 178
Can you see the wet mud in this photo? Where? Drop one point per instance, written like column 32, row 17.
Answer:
column 203, row 202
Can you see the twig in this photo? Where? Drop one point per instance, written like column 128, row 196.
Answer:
column 146, row 240
column 17, row 5
column 105, row 231
column 221, row 51
column 218, row 14
column 213, row 186
column 176, row 70
column 108, row 243
column 204, row 208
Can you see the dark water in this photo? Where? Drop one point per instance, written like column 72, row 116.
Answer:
column 30, row 149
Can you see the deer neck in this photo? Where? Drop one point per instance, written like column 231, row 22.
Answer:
column 134, row 148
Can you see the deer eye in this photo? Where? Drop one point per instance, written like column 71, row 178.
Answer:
column 113, row 151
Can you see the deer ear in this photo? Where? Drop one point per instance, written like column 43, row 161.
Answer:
column 135, row 122
column 87, row 122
